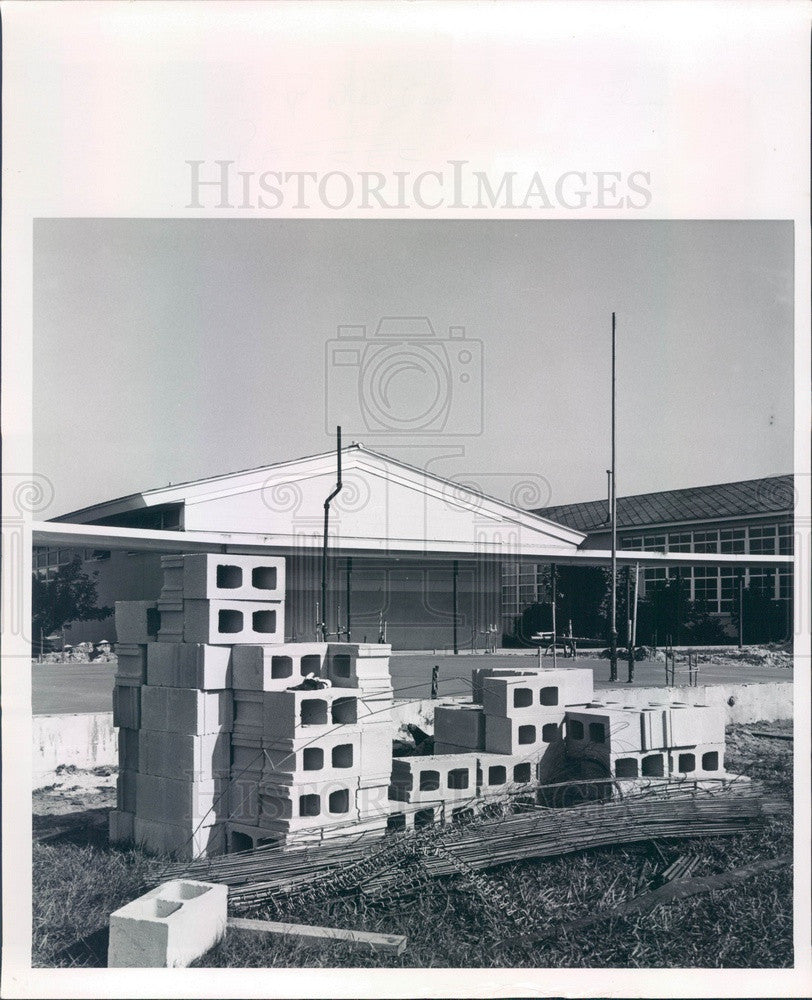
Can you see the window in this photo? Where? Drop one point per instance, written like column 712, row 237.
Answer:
column 762, row 539
column 732, row 540
column 680, row 542
column 706, row 586
column 632, row 542
column 527, row 734
column 728, row 590
column 785, row 539
column 706, row 541
column 654, row 543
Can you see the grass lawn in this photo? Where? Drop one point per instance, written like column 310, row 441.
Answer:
column 79, row 880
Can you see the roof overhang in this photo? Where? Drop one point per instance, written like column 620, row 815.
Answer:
column 144, row 540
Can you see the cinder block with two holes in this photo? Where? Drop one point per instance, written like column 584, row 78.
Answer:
column 230, row 622
column 438, row 778
column 276, row 667
column 524, row 735
column 335, row 757
column 168, row 927
column 233, row 577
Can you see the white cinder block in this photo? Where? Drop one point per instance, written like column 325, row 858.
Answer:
column 523, row 735
column 183, row 756
column 437, row 778
column 136, row 621
column 234, row 578
column 373, row 801
column 228, row 623
column 306, row 806
column 176, row 801
column 189, row 840
column 479, row 674
column 127, row 706
column 168, row 927
column 359, row 664
column 459, row 727
column 186, row 710
column 693, row 724
column 189, row 665
column 376, row 753
column 131, row 664
column 335, row 757
column 291, row 714
column 276, row 667
column 120, row 830
column 706, row 760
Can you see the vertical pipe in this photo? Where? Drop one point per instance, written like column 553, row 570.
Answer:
column 349, row 598
column 327, row 502
column 741, row 607
column 553, row 588
column 636, row 590
column 454, row 575
column 613, row 632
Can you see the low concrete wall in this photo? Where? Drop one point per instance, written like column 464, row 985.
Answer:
column 766, row 702
column 86, row 740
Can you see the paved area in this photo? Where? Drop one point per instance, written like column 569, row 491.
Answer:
column 62, row 688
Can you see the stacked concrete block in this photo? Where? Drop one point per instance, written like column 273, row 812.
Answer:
column 276, row 667
column 189, row 665
column 168, row 927
column 459, row 728
column 499, row 775
column 435, row 779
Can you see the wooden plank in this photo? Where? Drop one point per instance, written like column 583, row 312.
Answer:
column 774, row 736
column 392, row 944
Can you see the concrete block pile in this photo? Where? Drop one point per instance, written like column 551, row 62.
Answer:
column 230, row 737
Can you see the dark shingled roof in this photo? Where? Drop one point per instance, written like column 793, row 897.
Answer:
column 775, row 494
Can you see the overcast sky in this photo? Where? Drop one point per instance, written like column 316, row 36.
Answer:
column 170, row 350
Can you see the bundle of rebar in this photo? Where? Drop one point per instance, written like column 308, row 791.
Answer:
column 382, row 866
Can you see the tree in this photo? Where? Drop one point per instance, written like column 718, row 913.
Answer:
column 68, row 596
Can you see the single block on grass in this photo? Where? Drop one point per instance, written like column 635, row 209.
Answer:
column 168, row 927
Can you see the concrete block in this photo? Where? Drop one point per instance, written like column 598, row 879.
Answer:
column 137, row 622
column 172, row 620
column 706, row 760
column 306, row 806
column 189, row 665
column 131, row 664
column 373, row 802
column 128, row 755
column 186, row 841
column 127, row 706
column 120, row 827
column 317, row 713
column 228, row 623
column 276, row 667
column 178, row 801
column 335, row 757
column 126, row 791
column 691, row 724
column 437, row 778
column 186, row 710
column 234, row 578
column 375, row 758
column 248, row 716
column 168, row 927
column 459, row 727
column 359, row 664
column 172, row 589
column 479, row 674
column 523, row 735
column 606, row 728
column 521, row 695
column 183, row 756
column 643, row 764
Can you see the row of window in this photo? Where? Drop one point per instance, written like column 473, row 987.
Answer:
column 53, row 558
column 718, row 586
column 765, row 539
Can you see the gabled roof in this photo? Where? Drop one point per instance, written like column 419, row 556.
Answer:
column 354, row 457
column 772, row 495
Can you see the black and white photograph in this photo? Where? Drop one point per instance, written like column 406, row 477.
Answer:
column 405, row 548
